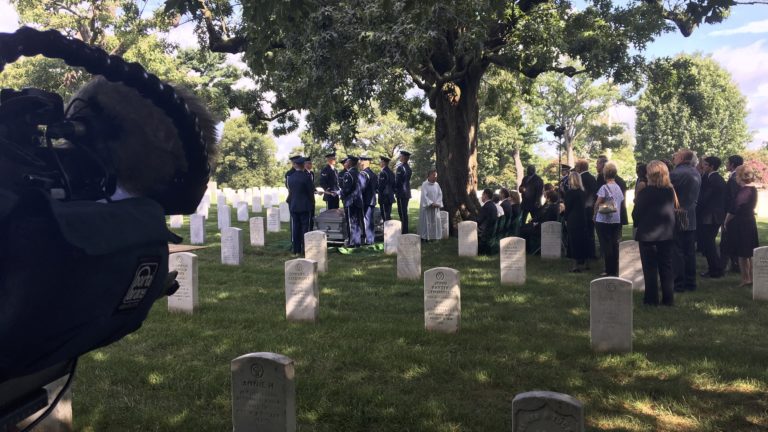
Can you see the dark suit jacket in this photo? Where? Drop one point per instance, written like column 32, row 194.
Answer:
column 731, row 192
column 369, row 193
column 711, row 205
column 590, row 188
column 486, row 220
column 531, row 188
column 386, row 186
column 687, row 183
column 301, row 192
column 654, row 214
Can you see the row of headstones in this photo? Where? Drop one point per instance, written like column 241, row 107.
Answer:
column 264, row 400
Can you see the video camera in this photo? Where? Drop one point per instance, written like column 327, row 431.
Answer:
column 78, row 268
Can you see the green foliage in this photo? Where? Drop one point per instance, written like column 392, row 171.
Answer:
column 246, row 157
column 690, row 102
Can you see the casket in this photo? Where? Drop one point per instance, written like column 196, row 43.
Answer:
column 333, row 223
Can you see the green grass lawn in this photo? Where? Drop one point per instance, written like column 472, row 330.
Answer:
column 368, row 364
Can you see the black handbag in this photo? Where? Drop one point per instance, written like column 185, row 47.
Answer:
column 681, row 215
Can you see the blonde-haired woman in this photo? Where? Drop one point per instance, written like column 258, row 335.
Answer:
column 576, row 221
column 608, row 219
column 740, row 223
column 654, row 216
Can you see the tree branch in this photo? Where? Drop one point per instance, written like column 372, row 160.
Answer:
column 416, row 80
column 274, row 117
column 216, row 42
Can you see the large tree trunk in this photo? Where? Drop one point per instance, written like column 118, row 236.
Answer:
column 519, row 173
column 569, row 152
column 456, row 148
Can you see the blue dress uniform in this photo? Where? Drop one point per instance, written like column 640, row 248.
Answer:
column 312, row 213
column 403, row 189
column 369, row 203
column 329, row 181
column 352, row 195
column 386, row 189
column 300, row 204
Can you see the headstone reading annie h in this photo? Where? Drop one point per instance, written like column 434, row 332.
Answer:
column 442, row 300
column 224, row 216
column 177, row 221
column 231, row 246
column 610, row 315
column 760, row 273
column 285, row 213
column 444, row 221
column 316, row 249
column 196, row 229
column 545, row 411
column 630, row 266
column 512, row 260
column 185, row 299
column 263, row 393
column 468, row 238
column 256, row 226
column 551, row 240
column 409, row 256
column 302, row 295
column 273, row 219
column 392, row 230
column 242, row 211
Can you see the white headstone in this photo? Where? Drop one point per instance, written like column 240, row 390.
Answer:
column 610, row 315
column 257, row 231
column 177, row 221
column 231, row 246
column 445, row 221
column 268, row 199
column 221, row 200
column 302, row 295
column 212, row 191
column 442, row 300
column 392, row 230
column 275, row 197
column 512, row 260
column 551, row 240
column 256, row 203
column 409, row 256
column 273, row 219
column 285, row 213
column 760, row 273
column 468, row 238
column 545, row 411
column 224, row 216
column 185, row 299
column 630, row 266
column 263, row 393
column 316, row 249
column 196, row 229
column 242, row 211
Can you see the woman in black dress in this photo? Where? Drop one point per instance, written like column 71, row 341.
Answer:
column 740, row 223
column 654, row 216
column 576, row 221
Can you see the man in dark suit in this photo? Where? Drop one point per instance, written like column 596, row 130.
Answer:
column 300, row 204
column 329, row 181
column 352, row 195
column 590, row 189
column 732, row 188
column 711, row 213
column 486, row 223
column 531, row 189
column 386, row 189
column 369, row 198
column 687, row 183
column 403, row 188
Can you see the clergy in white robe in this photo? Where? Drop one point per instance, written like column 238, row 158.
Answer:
column 430, row 226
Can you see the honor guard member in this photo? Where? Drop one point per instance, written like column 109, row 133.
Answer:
column 300, row 204
column 353, row 201
column 403, row 188
column 386, row 189
column 290, row 171
column 369, row 199
column 308, row 169
column 329, row 181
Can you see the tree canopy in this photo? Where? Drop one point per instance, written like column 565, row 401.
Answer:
column 246, row 157
column 690, row 102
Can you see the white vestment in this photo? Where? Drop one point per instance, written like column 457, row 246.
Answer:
column 430, row 227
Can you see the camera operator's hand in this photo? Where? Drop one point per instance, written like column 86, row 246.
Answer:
column 171, row 284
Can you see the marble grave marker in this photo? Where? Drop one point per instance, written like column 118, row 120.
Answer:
column 185, row 299
column 302, row 295
column 468, row 238
column 409, row 256
column 442, row 300
column 610, row 315
column 512, row 260
column 263, row 393
column 231, row 246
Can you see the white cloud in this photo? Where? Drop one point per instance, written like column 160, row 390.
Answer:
column 746, row 64
column 183, row 35
column 755, row 27
column 9, row 19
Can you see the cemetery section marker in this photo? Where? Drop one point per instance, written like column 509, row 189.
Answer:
column 263, row 393
column 302, row 295
column 545, row 411
column 442, row 300
column 610, row 315
column 512, row 260
column 409, row 256
column 185, row 299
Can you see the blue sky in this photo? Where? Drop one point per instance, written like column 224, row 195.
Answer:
column 740, row 45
